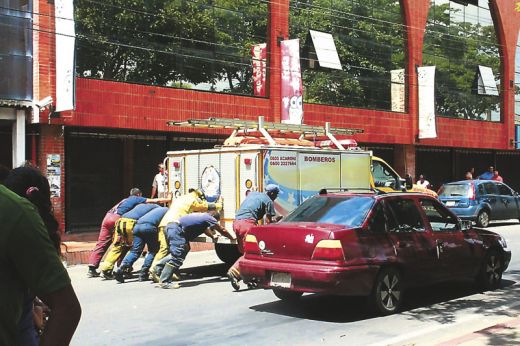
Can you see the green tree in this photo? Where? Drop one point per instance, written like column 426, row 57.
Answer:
column 369, row 38
column 170, row 42
column 456, row 47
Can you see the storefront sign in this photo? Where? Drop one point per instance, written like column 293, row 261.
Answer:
column 65, row 41
column 259, row 54
column 397, row 90
column 54, row 174
column 291, row 88
column 325, row 50
column 426, row 82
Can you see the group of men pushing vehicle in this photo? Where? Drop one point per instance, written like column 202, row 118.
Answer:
column 137, row 221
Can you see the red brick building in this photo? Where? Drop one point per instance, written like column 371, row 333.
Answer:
column 117, row 134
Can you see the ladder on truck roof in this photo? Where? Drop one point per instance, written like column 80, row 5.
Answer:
column 264, row 126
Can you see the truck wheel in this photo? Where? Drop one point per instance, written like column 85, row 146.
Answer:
column 483, row 219
column 228, row 253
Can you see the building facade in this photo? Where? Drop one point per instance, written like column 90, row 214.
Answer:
column 141, row 65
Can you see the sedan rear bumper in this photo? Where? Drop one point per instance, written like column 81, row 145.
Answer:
column 315, row 278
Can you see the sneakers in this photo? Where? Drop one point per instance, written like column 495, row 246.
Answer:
column 169, row 285
column 234, row 281
column 144, row 276
column 119, row 276
column 92, row 273
column 155, row 276
column 107, row 274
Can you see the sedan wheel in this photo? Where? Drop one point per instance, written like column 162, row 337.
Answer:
column 387, row 293
column 287, row 296
column 490, row 275
column 483, row 219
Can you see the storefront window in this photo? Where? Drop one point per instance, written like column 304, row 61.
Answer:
column 16, row 50
column 193, row 44
column 370, row 39
column 459, row 38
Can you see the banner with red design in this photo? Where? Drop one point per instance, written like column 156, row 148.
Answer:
column 259, row 54
column 291, row 86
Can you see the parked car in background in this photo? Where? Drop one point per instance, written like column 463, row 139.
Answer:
column 369, row 244
column 481, row 200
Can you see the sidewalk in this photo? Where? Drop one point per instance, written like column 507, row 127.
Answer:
column 490, row 318
column 76, row 248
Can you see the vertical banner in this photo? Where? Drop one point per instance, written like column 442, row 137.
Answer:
column 259, row 54
column 54, row 174
column 426, row 82
column 65, row 41
column 292, row 87
column 397, row 90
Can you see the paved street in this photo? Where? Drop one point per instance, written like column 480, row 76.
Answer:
column 205, row 310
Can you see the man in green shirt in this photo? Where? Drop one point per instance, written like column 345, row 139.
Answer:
column 28, row 261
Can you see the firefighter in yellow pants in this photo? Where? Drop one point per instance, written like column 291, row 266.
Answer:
column 123, row 237
column 183, row 205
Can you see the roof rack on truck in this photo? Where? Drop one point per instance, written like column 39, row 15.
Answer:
column 264, row 127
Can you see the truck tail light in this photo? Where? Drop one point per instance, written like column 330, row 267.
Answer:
column 251, row 245
column 329, row 250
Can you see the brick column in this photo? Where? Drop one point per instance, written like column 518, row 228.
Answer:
column 404, row 160
column 507, row 24
column 52, row 142
column 415, row 15
column 278, row 29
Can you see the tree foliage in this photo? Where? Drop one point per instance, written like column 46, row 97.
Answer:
column 370, row 40
column 170, row 42
column 456, row 47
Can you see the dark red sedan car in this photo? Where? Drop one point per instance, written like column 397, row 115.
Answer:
column 369, row 244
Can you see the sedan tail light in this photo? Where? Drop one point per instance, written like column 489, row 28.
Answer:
column 251, row 244
column 329, row 250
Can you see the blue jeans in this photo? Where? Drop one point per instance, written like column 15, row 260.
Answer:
column 179, row 247
column 140, row 240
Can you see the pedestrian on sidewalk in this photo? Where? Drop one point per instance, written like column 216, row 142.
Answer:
column 497, row 177
column 488, row 175
column 159, row 182
column 145, row 233
column 192, row 202
column 254, row 208
column 31, row 245
column 422, row 182
column 106, row 232
column 179, row 234
column 123, row 237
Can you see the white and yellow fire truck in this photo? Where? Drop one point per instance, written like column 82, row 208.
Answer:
column 301, row 159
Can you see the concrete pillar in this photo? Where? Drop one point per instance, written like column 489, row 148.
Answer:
column 19, row 138
column 404, row 159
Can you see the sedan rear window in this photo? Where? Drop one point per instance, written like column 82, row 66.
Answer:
column 454, row 190
column 347, row 211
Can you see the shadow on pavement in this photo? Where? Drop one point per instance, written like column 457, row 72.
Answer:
column 439, row 303
column 320, row 308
